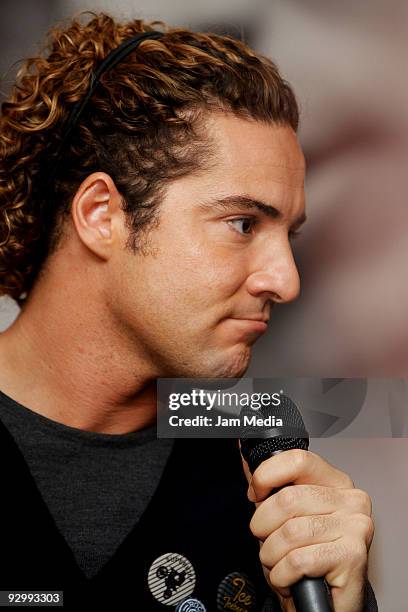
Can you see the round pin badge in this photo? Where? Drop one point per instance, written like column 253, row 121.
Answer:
column 171, row 579
column 236, row 592
column 191, row 605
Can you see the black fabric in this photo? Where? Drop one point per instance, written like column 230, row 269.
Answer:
column 95, row 485
column 199, row 510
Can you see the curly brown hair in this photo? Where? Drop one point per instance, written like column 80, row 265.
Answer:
column 143, row 126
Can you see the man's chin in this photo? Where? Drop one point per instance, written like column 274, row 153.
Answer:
column 233, row 365
column 216, row 363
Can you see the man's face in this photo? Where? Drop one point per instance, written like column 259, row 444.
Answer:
column 212, row 267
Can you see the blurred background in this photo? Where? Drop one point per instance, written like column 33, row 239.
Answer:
column 347, row 64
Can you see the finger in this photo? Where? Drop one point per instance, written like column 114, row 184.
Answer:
column 340, row 562
column 316, row 529
column 305, row 500
column 295, row 466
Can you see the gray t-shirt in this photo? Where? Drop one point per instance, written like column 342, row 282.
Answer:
column 95, row 485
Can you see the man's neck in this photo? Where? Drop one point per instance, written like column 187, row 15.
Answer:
column 72, row 371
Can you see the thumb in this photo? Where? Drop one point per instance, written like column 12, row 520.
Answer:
column 245, row 467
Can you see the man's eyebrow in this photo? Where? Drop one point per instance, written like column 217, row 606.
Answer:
column 234, row 201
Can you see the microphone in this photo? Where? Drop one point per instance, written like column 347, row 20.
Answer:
column 261, row 442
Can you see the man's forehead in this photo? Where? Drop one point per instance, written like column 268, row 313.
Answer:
column 256, row 150
column 249, row 160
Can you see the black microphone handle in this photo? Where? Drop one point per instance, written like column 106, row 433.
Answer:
column 309, row 594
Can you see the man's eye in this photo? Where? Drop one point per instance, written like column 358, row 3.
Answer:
column 247, row 222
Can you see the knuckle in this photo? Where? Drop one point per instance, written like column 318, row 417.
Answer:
column 260, row 478
column 318, row 525
column 274, row 580
column 348, row 482
column 326, row 552
column 300, row 530
column 255, row 528
column 371, row 531
column 366, row 524
column 287, row 497
column 263, row 557
column 293, row 530
column 363, row 501
column 357, row 554
column 350, row 553
column 324, row 494
column 297, row 560
column 299, row 459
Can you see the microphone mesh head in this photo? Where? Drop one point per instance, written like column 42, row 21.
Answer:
column 259, row 442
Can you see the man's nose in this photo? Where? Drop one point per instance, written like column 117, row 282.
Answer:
column 277, row 275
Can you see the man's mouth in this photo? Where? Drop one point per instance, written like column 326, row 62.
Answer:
column 255, row 318
column 253, row 325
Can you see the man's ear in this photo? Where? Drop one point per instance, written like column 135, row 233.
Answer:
column 96, row 213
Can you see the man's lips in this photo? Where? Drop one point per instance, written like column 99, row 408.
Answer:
column 259, row 325
column 255, row 318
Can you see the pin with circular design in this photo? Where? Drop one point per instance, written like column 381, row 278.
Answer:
column 191, row 605
column 236, row 592
column 171, row 578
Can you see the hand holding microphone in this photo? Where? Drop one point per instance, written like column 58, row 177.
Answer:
column 319, row 527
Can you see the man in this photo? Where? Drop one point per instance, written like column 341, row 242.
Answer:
column 147, row 237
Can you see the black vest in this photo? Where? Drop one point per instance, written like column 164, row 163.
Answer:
column 192, row 542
